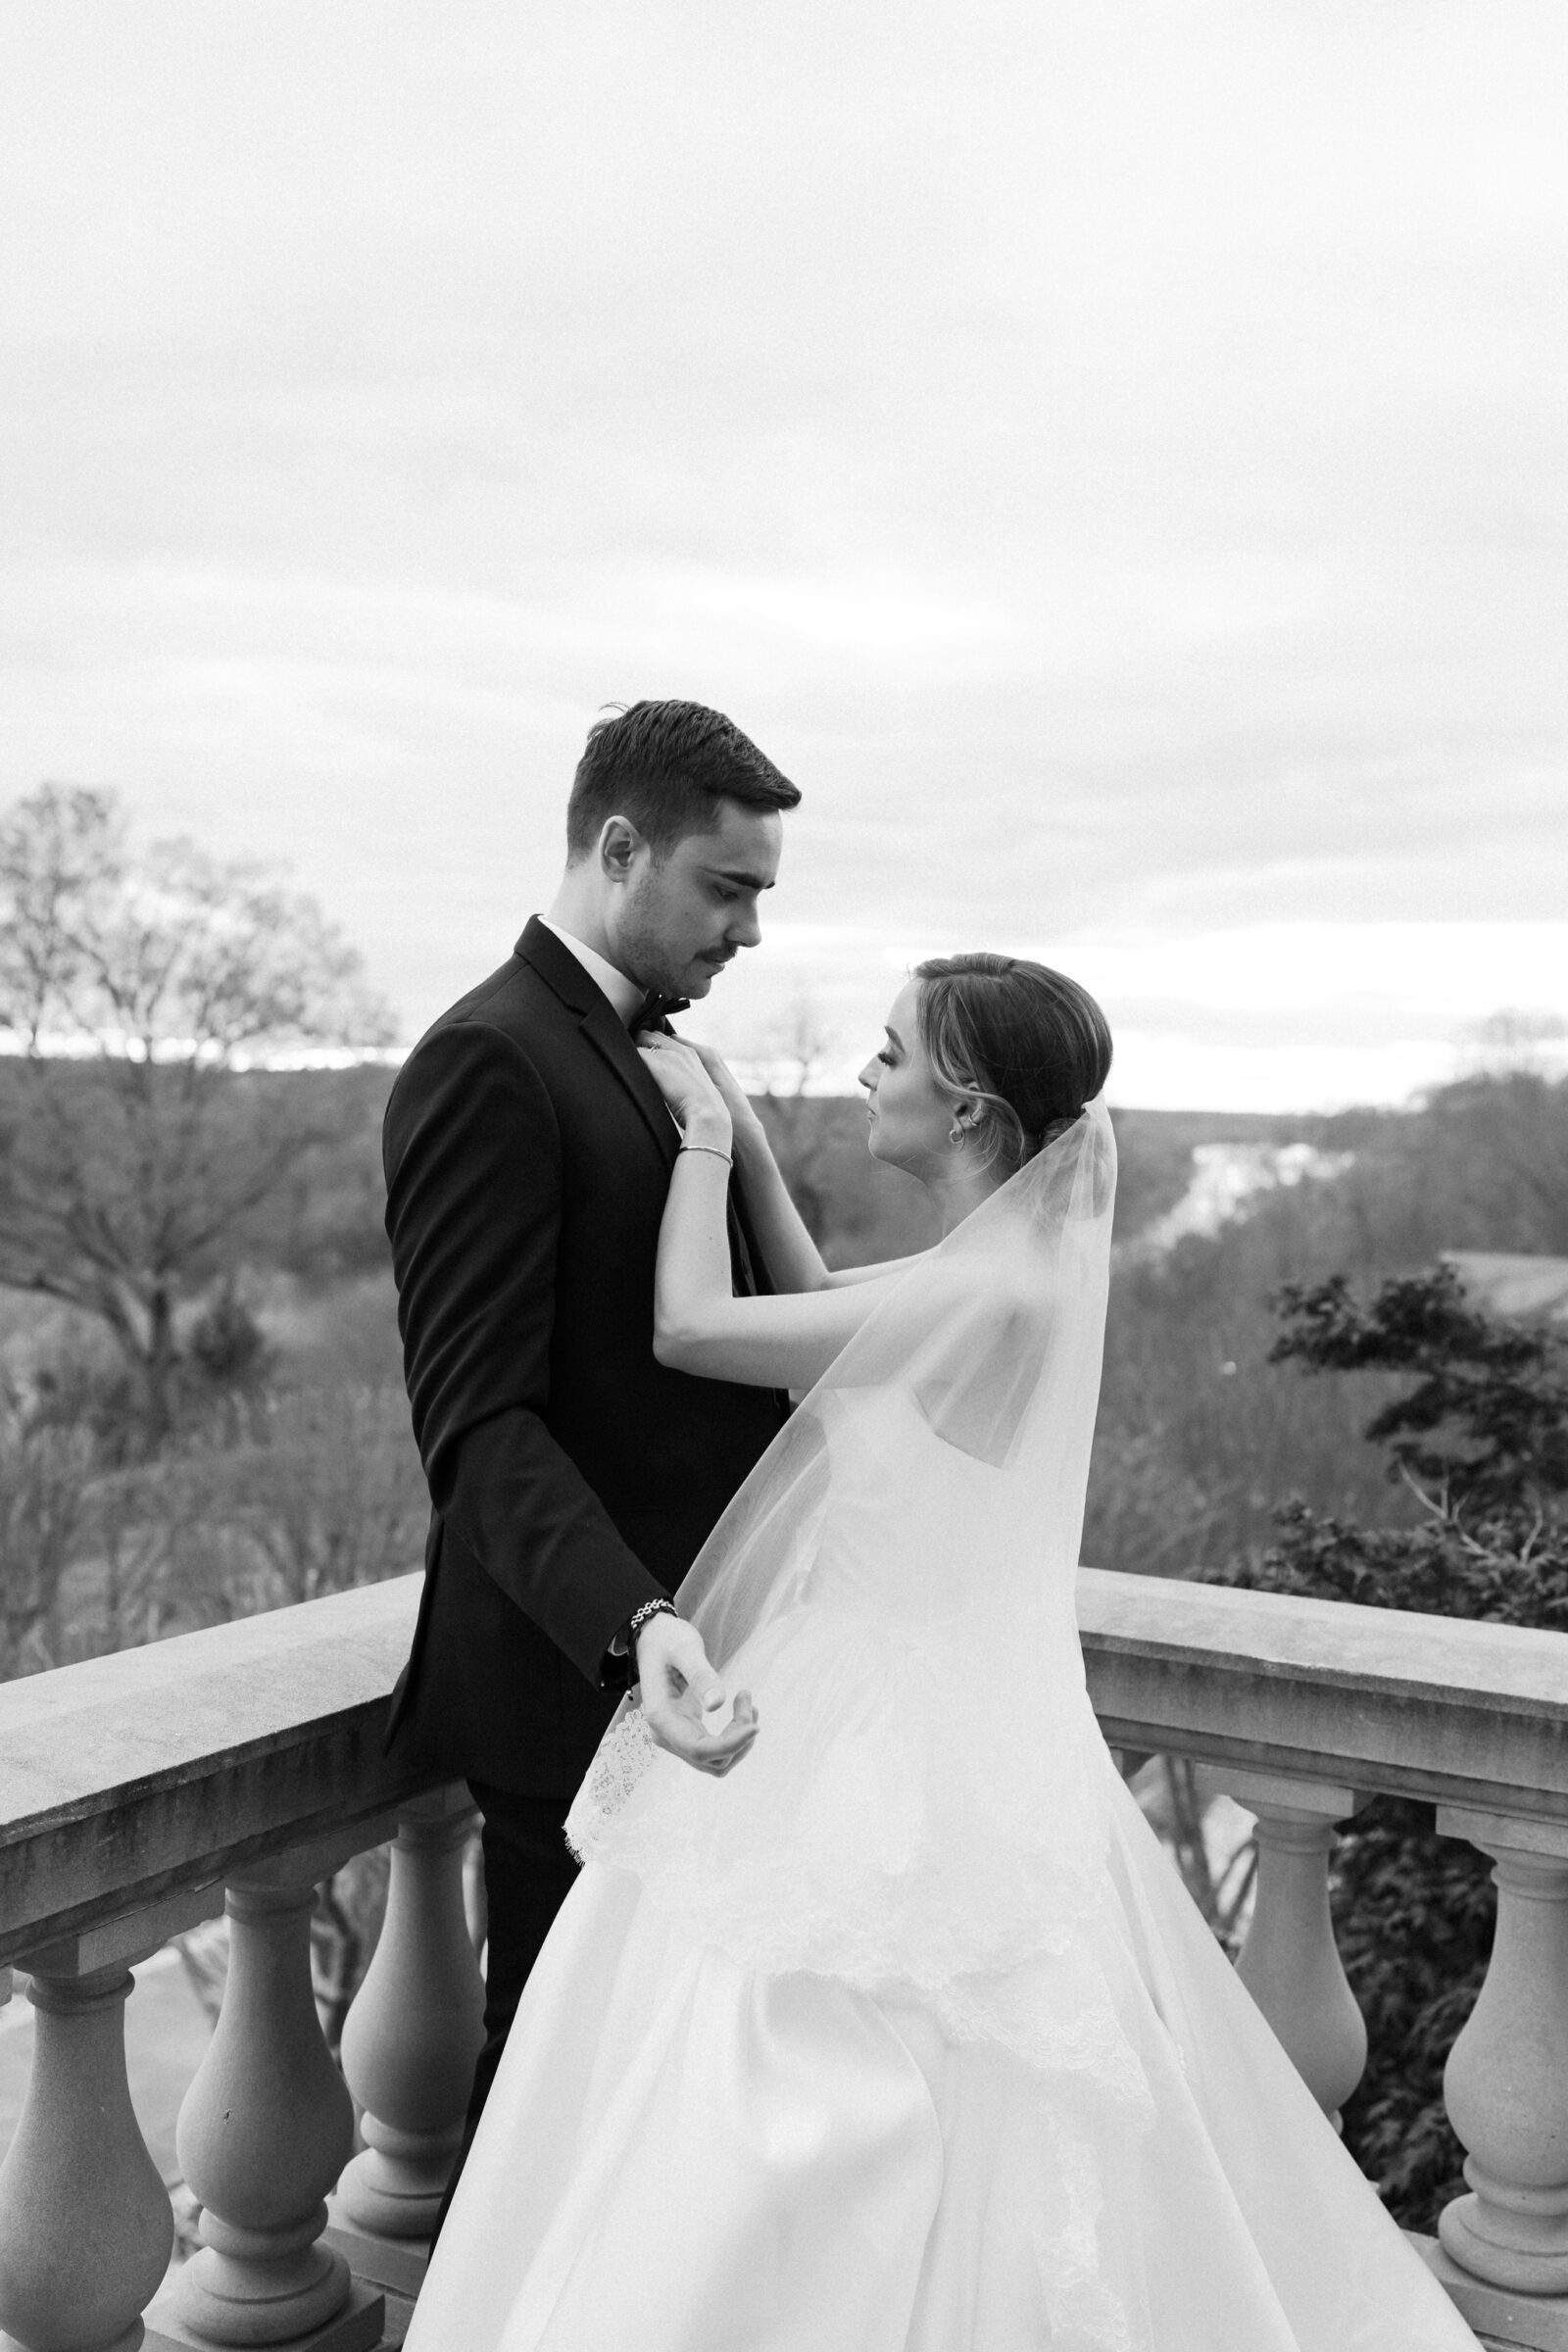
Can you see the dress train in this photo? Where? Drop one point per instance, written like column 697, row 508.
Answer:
column 682, row 2154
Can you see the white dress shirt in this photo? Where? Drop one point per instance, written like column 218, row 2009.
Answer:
column 628, row 997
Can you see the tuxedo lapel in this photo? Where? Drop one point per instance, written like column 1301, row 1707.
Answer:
column 602, row 1026
column 608, row 1035
column 748, row 1266
column 605, row 1029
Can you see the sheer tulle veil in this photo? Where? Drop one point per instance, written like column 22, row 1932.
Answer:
column 895, row 1581
column 994, row 1340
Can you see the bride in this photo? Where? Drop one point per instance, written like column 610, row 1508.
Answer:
column 904, row 2037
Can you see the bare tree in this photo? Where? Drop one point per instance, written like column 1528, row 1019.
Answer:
column 792, row 1057
column 140, row 1128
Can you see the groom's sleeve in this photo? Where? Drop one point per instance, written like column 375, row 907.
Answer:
column 473, row 1211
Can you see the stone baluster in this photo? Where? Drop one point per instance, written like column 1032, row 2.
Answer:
column 265, row 2130
column 1290, row 1963
column 1507, row 2084
column 85, row 2224
column 415, row 2028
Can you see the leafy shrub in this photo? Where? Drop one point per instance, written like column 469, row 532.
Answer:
column 1479, row 1439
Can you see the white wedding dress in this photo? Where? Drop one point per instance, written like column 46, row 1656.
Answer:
column 905, row 2037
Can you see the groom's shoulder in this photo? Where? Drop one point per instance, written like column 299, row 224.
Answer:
column 535, row 999
column 508, row 999
column 518, row 1000
column 499, row 1026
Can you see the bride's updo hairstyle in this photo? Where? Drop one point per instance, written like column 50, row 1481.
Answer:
column 1028, row 1046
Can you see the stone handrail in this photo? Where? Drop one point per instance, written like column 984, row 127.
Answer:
column 133, row 1778
column 135, row 1789
column 1383, row 1700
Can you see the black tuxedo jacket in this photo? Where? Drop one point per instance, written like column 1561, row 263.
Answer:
column 572, row 1477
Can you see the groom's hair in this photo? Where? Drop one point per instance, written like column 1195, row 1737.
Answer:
column 666, row 766
column 1026, row 1044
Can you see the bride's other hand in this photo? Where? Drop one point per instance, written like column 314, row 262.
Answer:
column 682, row 1697
column 682, row 1078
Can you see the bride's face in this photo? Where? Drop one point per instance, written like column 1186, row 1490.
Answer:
column 911, row 1122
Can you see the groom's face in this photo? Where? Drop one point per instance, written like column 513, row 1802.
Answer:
column 676, row 920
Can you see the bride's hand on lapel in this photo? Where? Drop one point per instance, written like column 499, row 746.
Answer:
column 743, row 1115
column 682, row 1077
column 685, row 1705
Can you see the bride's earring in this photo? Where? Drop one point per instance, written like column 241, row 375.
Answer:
column 956, row 1132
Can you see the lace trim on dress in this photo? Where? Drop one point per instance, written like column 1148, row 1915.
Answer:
column 624, row 1755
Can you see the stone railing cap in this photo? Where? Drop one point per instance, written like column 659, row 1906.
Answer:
column 1518, row 1669
column 87, row 1736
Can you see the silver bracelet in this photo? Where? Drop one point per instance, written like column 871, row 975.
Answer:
column 634, row 1625
column 711, row 1148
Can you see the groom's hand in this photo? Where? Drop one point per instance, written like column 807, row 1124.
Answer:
column 681, row 1692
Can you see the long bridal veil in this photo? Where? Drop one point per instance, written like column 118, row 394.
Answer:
column 995, row 1339
column 925, row 1805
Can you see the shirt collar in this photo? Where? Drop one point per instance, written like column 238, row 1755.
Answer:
column 627, row 996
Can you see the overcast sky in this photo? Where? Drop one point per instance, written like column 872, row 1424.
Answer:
column 1110, row 455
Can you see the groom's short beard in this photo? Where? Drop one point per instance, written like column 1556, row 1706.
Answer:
column 644, row 954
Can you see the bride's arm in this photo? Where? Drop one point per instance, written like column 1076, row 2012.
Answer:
column 786, row 1342
column 792, row 1259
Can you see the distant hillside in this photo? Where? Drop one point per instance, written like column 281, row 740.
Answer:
column 1200, row 1435
column 326, row 1222
column 861, row 1211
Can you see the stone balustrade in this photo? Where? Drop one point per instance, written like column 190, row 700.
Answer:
column 229, row 1770
column 234, row 1769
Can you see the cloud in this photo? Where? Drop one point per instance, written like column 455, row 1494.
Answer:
column 1266, row 1017
column 1112, row 455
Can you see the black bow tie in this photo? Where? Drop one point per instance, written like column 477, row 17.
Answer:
column 657, row 1009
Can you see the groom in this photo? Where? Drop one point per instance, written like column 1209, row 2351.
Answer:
column 572, row 1478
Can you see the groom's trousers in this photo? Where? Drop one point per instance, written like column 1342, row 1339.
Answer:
column 528, row 1870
